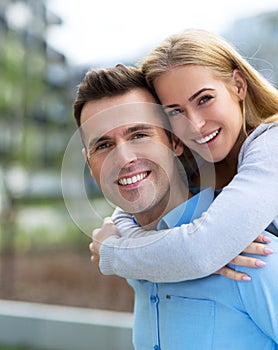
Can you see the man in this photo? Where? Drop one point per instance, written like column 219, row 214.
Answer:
column 133, row 160
column 130, row 154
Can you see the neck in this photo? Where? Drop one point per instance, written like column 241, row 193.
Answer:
column 219, row 174
column 177, row 194
column 227, row 168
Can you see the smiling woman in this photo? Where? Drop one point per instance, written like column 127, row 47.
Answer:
column 204, row 114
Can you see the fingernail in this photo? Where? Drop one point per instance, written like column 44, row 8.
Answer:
column 246, row 278
column 268, row 251
column 266, row 239
column 260, row 263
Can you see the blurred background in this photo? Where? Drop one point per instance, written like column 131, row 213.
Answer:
column 45, row 49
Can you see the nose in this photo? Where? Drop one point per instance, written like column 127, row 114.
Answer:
column 196, row 121
column 124, row 154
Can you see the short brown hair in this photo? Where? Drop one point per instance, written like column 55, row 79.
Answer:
column 107, row 82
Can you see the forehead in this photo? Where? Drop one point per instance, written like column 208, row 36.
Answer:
column 100, row 117
column 135, row 96
column 185, row 80
column 197, row 73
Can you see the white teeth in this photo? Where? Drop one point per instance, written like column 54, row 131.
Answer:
column 132, row 180
column 207, row 138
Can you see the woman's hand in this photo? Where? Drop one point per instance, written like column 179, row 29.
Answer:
column 259, row 248
column 99, row 235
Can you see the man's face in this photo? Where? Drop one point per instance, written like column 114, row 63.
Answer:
column 129, row 154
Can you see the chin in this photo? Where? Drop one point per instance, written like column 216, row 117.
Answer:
column 219, row 159
column 213, row 159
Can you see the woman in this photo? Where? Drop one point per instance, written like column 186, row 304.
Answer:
column 215, row 100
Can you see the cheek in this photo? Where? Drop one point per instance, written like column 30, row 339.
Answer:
column 234, row 119
column 96, row 169
column 178, row 125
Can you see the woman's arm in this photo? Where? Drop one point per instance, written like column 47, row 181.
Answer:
column 240, row 212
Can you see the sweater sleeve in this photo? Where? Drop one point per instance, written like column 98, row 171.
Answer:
column 237, row 216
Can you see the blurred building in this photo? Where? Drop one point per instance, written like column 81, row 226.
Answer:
column 257, row 39
column 35, row 102
column 35, row 105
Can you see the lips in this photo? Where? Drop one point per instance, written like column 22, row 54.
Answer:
column 129, row 180
column 208, row 138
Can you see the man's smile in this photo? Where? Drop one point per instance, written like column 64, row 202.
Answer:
column 129, row 180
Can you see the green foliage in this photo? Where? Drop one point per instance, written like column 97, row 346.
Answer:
column 31, row 109
column 36, row 123
column 21, row 75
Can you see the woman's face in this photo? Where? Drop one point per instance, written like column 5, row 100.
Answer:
column 204, row 111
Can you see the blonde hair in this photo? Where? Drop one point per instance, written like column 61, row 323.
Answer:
column 199, row 47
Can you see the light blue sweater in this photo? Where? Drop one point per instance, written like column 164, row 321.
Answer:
column 244, row 208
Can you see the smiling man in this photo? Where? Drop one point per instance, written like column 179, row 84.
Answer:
column 131, row 155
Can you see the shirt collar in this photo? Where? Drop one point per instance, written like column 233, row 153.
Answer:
column 187, row 211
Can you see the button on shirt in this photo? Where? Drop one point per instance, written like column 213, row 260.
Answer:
column 212, row 313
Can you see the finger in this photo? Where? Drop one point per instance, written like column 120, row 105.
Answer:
column 91, row 247
column 95, row 232
column 94, row 247
column 232, row 274
column 242, row 260
column 262, row 238
column 94, row 259
column 258, row 248
column 108, row 220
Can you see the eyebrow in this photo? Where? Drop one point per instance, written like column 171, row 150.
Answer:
column 138, row 127
column 129, row 130
column 97, row 140
column 190, row 98
column 198, row 93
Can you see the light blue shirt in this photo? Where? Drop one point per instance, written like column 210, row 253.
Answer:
column 212, row 313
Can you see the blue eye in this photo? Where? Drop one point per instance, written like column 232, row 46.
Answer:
column 103, row 146
column 174, row 112
column 205, row 99
column 139, row 136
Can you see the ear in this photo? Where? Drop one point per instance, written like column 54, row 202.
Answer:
column 84, row 153
column 178, row 146
column 240, row 84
